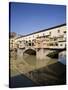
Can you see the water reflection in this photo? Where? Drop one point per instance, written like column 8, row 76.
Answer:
column 30, row 63
column 41, row 72
column 62, row 57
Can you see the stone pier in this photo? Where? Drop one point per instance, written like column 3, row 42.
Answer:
column 42, row 53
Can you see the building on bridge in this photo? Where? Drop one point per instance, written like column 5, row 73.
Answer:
column 54, row 37
column 12, row 37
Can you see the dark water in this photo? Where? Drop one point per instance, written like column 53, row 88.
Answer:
column 20, row 81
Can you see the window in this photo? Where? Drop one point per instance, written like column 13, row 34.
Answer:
column 37, row 35
column 38, row 42
column 19, row 41
column 58, row 31
column 12, row 40
column 33, row 36
column 43, row 34
column 64, row 31
column 32, row 44
column 29, row 40
column 56, row 44
column 55, row 38
column 29, row 44
column 44, row 43
column 60, row 44
column 51, row 44
column 50, row 33
column 26, row 41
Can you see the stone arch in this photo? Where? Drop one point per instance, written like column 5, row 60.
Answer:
column 30, row 51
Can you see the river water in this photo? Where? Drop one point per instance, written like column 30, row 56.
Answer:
column 38, row 72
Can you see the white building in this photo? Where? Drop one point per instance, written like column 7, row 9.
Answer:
column 54, row 37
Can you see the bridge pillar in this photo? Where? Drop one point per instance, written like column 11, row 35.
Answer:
column 20, row 53
column 42, row 53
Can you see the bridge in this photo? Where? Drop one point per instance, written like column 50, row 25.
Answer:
column 41, row 47
column 41, row 53
column 42, row 42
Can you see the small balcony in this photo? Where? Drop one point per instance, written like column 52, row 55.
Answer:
column 61, row 39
